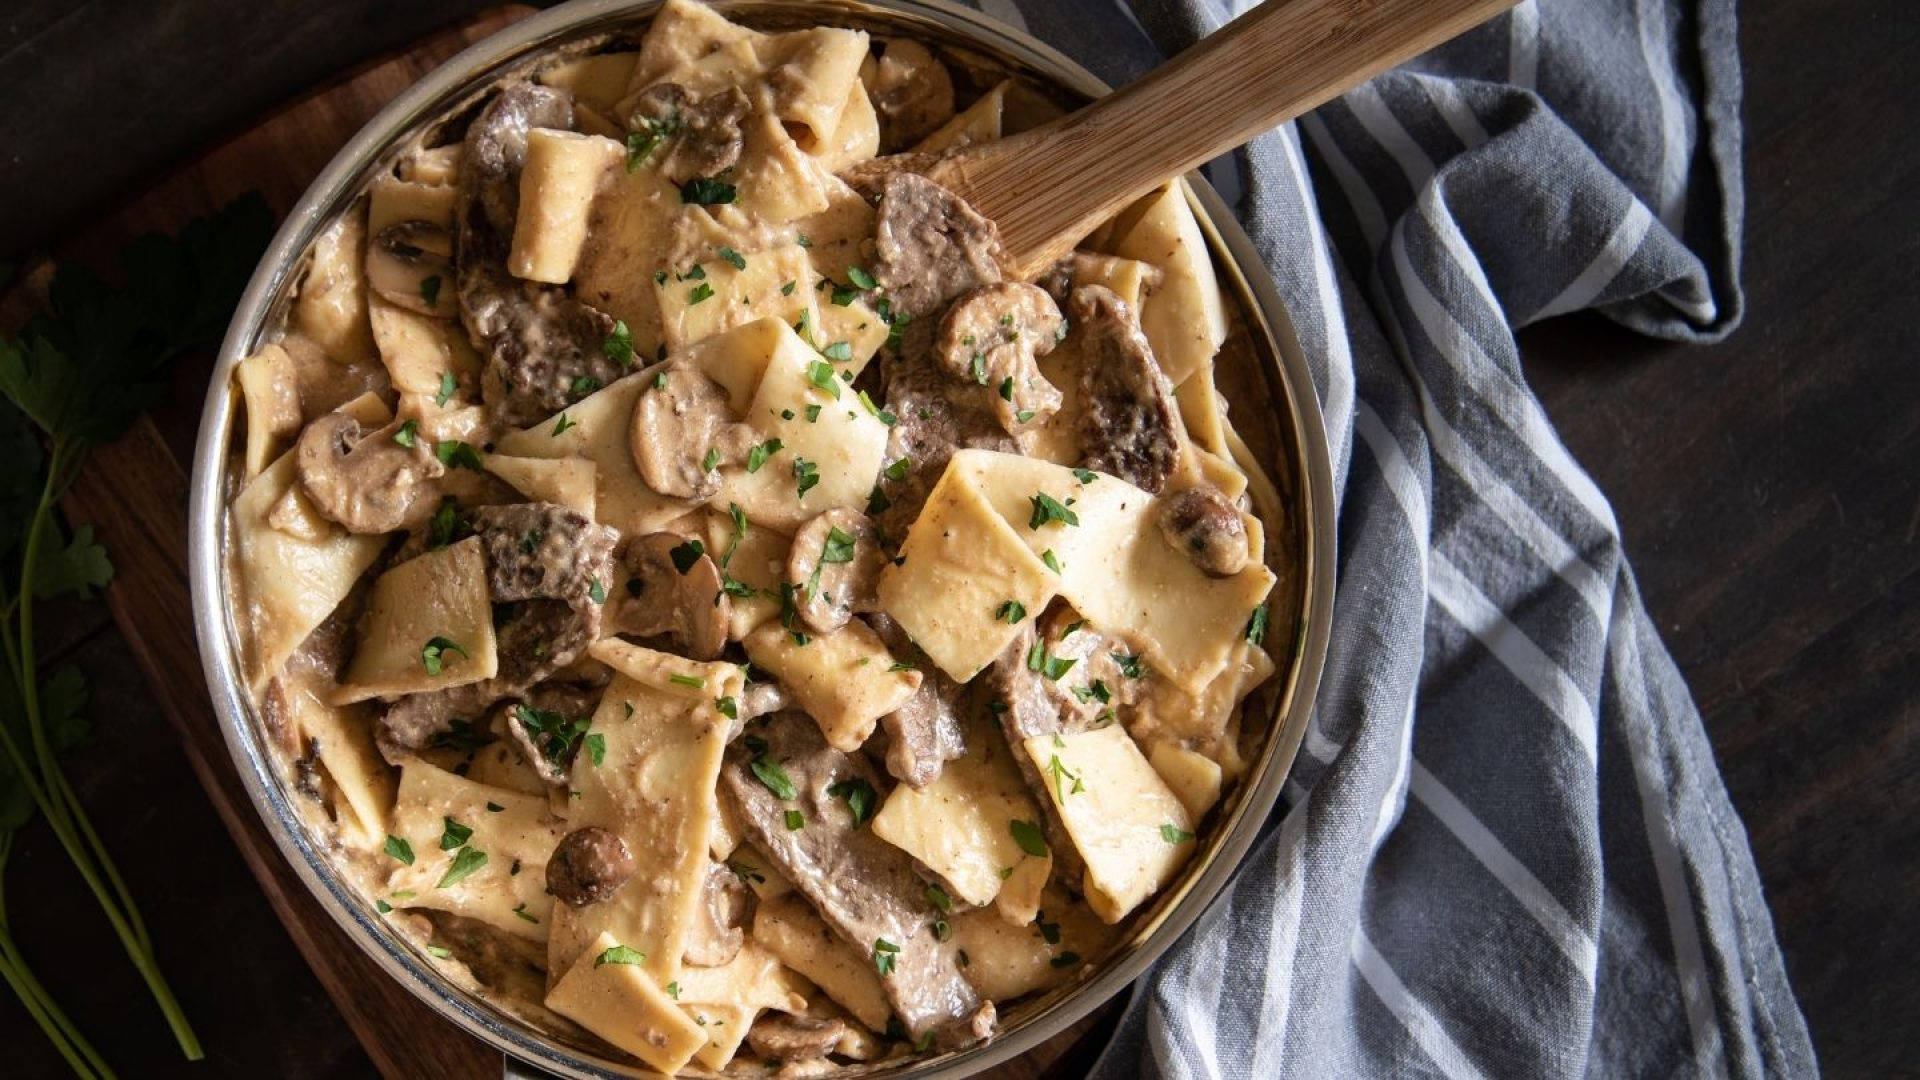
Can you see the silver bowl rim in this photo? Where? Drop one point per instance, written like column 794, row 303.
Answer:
column 342, row 179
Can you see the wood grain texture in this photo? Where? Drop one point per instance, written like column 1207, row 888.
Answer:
column 134, row 491
column 1048, row 187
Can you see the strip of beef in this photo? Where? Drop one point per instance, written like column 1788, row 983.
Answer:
column 692, row 135
column 930, row 246
column 547, row 722
column 864, row 887
column 540, row 343
column 925, row 733
column 936, row 416
column 1058, row 677
column 1128, row 425
column 543, row 565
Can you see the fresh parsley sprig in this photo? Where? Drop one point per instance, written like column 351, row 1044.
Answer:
column 76, row 376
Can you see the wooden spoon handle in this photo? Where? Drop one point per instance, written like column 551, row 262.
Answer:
column 1050, row 186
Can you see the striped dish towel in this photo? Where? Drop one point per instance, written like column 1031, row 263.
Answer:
column 1505, row 850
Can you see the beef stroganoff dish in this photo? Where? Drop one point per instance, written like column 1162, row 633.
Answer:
column 702, row 602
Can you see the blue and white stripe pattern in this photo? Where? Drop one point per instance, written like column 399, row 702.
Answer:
column 1505, row 850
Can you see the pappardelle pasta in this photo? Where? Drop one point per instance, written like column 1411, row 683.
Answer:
column 702, row 601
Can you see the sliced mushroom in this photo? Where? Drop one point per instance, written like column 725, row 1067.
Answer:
column 1202, row 523
column 834, row 568
column 762, row 698
column 369, row 482
column 408, row 263
column 725, row 903
column 691, row 135
column 912, row 92
column 683, row 432
column 930, row 246
column 789, row 1039
column 671, row 587
column 1076, row 267
column 543, row 347
column 589, row 865
column 992, row 337
column 1128, row 425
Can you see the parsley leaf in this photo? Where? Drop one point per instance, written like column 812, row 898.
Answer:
column 738, row 260
column 620, row 954
column 1027, row 835
column 1256, row 631
column 1047, row 509
column 453, row 834
column 685, row 555
column 884, row 954
column 1012, row 611
column 455, row 454
column 1174, row 834
column 618, row 345
column 774, row 777
column 758, row 455
column 706, row 191
column 448, row 386
column 860, row 798
column 860, row 277
column 820, row 374
column 433, row 654
column 400, row 850
column 805, row 475
column 464, row 865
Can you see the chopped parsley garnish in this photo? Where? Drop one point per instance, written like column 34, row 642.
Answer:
column 787, row 289
column 444, row 523
column 1047, row 509
column 801, row 239
column 938, row 897
column 550, row 732
column 979, row 366
column 430, row 290
column 618, row 344
column 758, row 455
column 1256, row 631
column 494, row 808
column 711, row 461
column 523, row 913
column 795, row 820
column 448, row 386
column 464, row 865
column 1129, row 665
column 805, row 475
column 733, row 586
column 838, row 548
column 595, row 744
column 884, row 954
column 813, row 414
column 727, row 707
column 1023, row 415
column 860, row 797
column 456, row 454
column 561, row 425
column 898, row 469
column 1040, row 660
column 619, row 954
column 406, row 435
column 1065, row 960
column 401, row 851
column 899, row 666
column 1027, row 835
column 877, row 501
column 1061, row 774
column 773, row 776
column 700, row 292
column 694, row 681
column 659, row 277
column 1174, row 834
column 1006, row 388
column 843, row 295
column 596, row 592
column 1052, row 560
column 641, row 144
column 1012, row 611
column 1086, row 476
column 860, row 277
column 685, row 555
column 660, row 381
column 942, row 930
column 706, row 191
column 433, row 654
column 584, row 385
column 820, row 374
column 440, row 951
column 453, row 834
column 839, row 352
column 1049, row 931
column 673, row 990
column 738, row 260
column 382, row 907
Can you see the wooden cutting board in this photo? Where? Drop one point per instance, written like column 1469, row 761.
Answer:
column 134, row 492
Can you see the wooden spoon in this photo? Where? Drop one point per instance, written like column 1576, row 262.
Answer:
column 1048, row 187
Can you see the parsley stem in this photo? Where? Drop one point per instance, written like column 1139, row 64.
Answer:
column 66, row 1038
column 55, row 797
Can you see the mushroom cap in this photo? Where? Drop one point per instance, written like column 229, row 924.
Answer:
column 993, row 337
column 834, row 567
column 403, row 257
column 589, row 865
column 366, row 481
column 658, row 597
column 683, row 431
column 912, row 92
column 1201, row 522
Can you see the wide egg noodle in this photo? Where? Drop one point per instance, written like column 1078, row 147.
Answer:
column 508, row 891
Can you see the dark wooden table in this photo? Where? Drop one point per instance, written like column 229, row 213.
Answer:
column 1769, row 488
